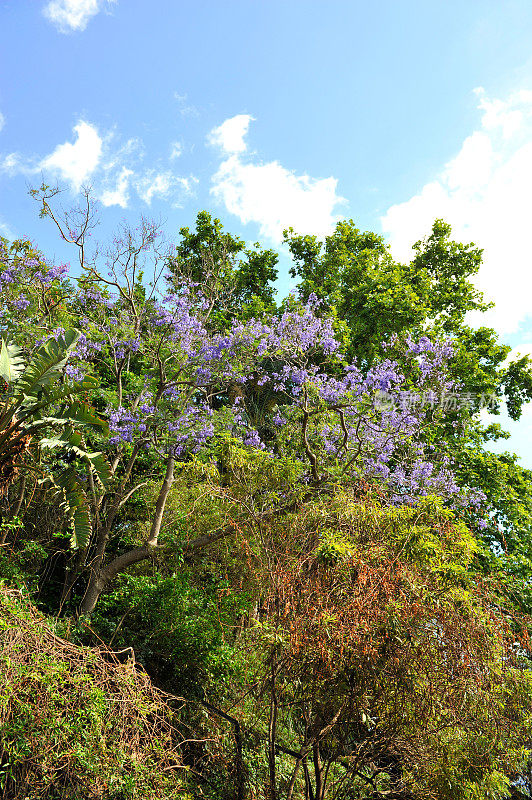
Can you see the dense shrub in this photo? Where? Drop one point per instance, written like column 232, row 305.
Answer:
column 75, row 722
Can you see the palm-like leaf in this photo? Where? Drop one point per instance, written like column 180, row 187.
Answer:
column 80, row 413
column 72, row 444
column 72, row 499
column 11, row 362
column 37, row 403
column 46, row 364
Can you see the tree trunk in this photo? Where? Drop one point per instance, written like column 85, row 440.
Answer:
column 272, row 734
column 101, row 576
column 318, row 773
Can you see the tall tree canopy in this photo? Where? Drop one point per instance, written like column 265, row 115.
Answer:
column 374, row 298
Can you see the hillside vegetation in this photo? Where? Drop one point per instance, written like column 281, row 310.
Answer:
column 253, row 548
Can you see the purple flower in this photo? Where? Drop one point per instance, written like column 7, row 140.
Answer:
column 21, row 303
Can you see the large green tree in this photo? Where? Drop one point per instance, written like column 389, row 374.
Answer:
column 238, row 280
column 373, row 298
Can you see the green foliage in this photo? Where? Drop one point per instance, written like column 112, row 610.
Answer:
column 35, row 400
column 66, row 485
column 44, row 368
column 333, row 548
column 375, row 296
column 237, row 280
column 385, row 657
column 177, row 624
column 388, row 629
column 11, row 362
column 74, row 724
column 17, row 564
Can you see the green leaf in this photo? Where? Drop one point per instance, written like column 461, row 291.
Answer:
column 81, row 415
column 11, row 362
column 72, row 442
column 100, row 467
column 81, row 528
column 46, row 364
column 78, row 412
column 76, row 506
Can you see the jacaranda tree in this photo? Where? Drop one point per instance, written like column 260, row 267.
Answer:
column 293, row 474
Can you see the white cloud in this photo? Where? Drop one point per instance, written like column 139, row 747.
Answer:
column 230, row 135
column 119, row 196
column 524, row 349
column 2, row 120
column 154, row 185
column 76, row 162
column 505, row 115
column 268, row 193
column 185, row 108
column 485, row 193
column 13, row 165
column 176, row 150
column 163, row 185
column 6, row 231
column 73, row 163
column 113, row 169
column 73, row 15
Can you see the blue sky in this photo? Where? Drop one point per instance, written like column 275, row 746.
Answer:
column 273, row 113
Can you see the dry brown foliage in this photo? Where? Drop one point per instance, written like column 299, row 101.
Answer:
column 14, row 448
column 378, row 664
column 79, row 722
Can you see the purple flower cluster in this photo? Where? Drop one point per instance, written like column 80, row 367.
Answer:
column 347, row 426
column 53, row 273
column 32, row 270
column 74, row 373
column 124, row 425
column 7, row 276
column 21, row 303
column 127, row 347
column 192, row 429
column 86, row 348
column 92, row 296
column 27, row 282
column 181, row 324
